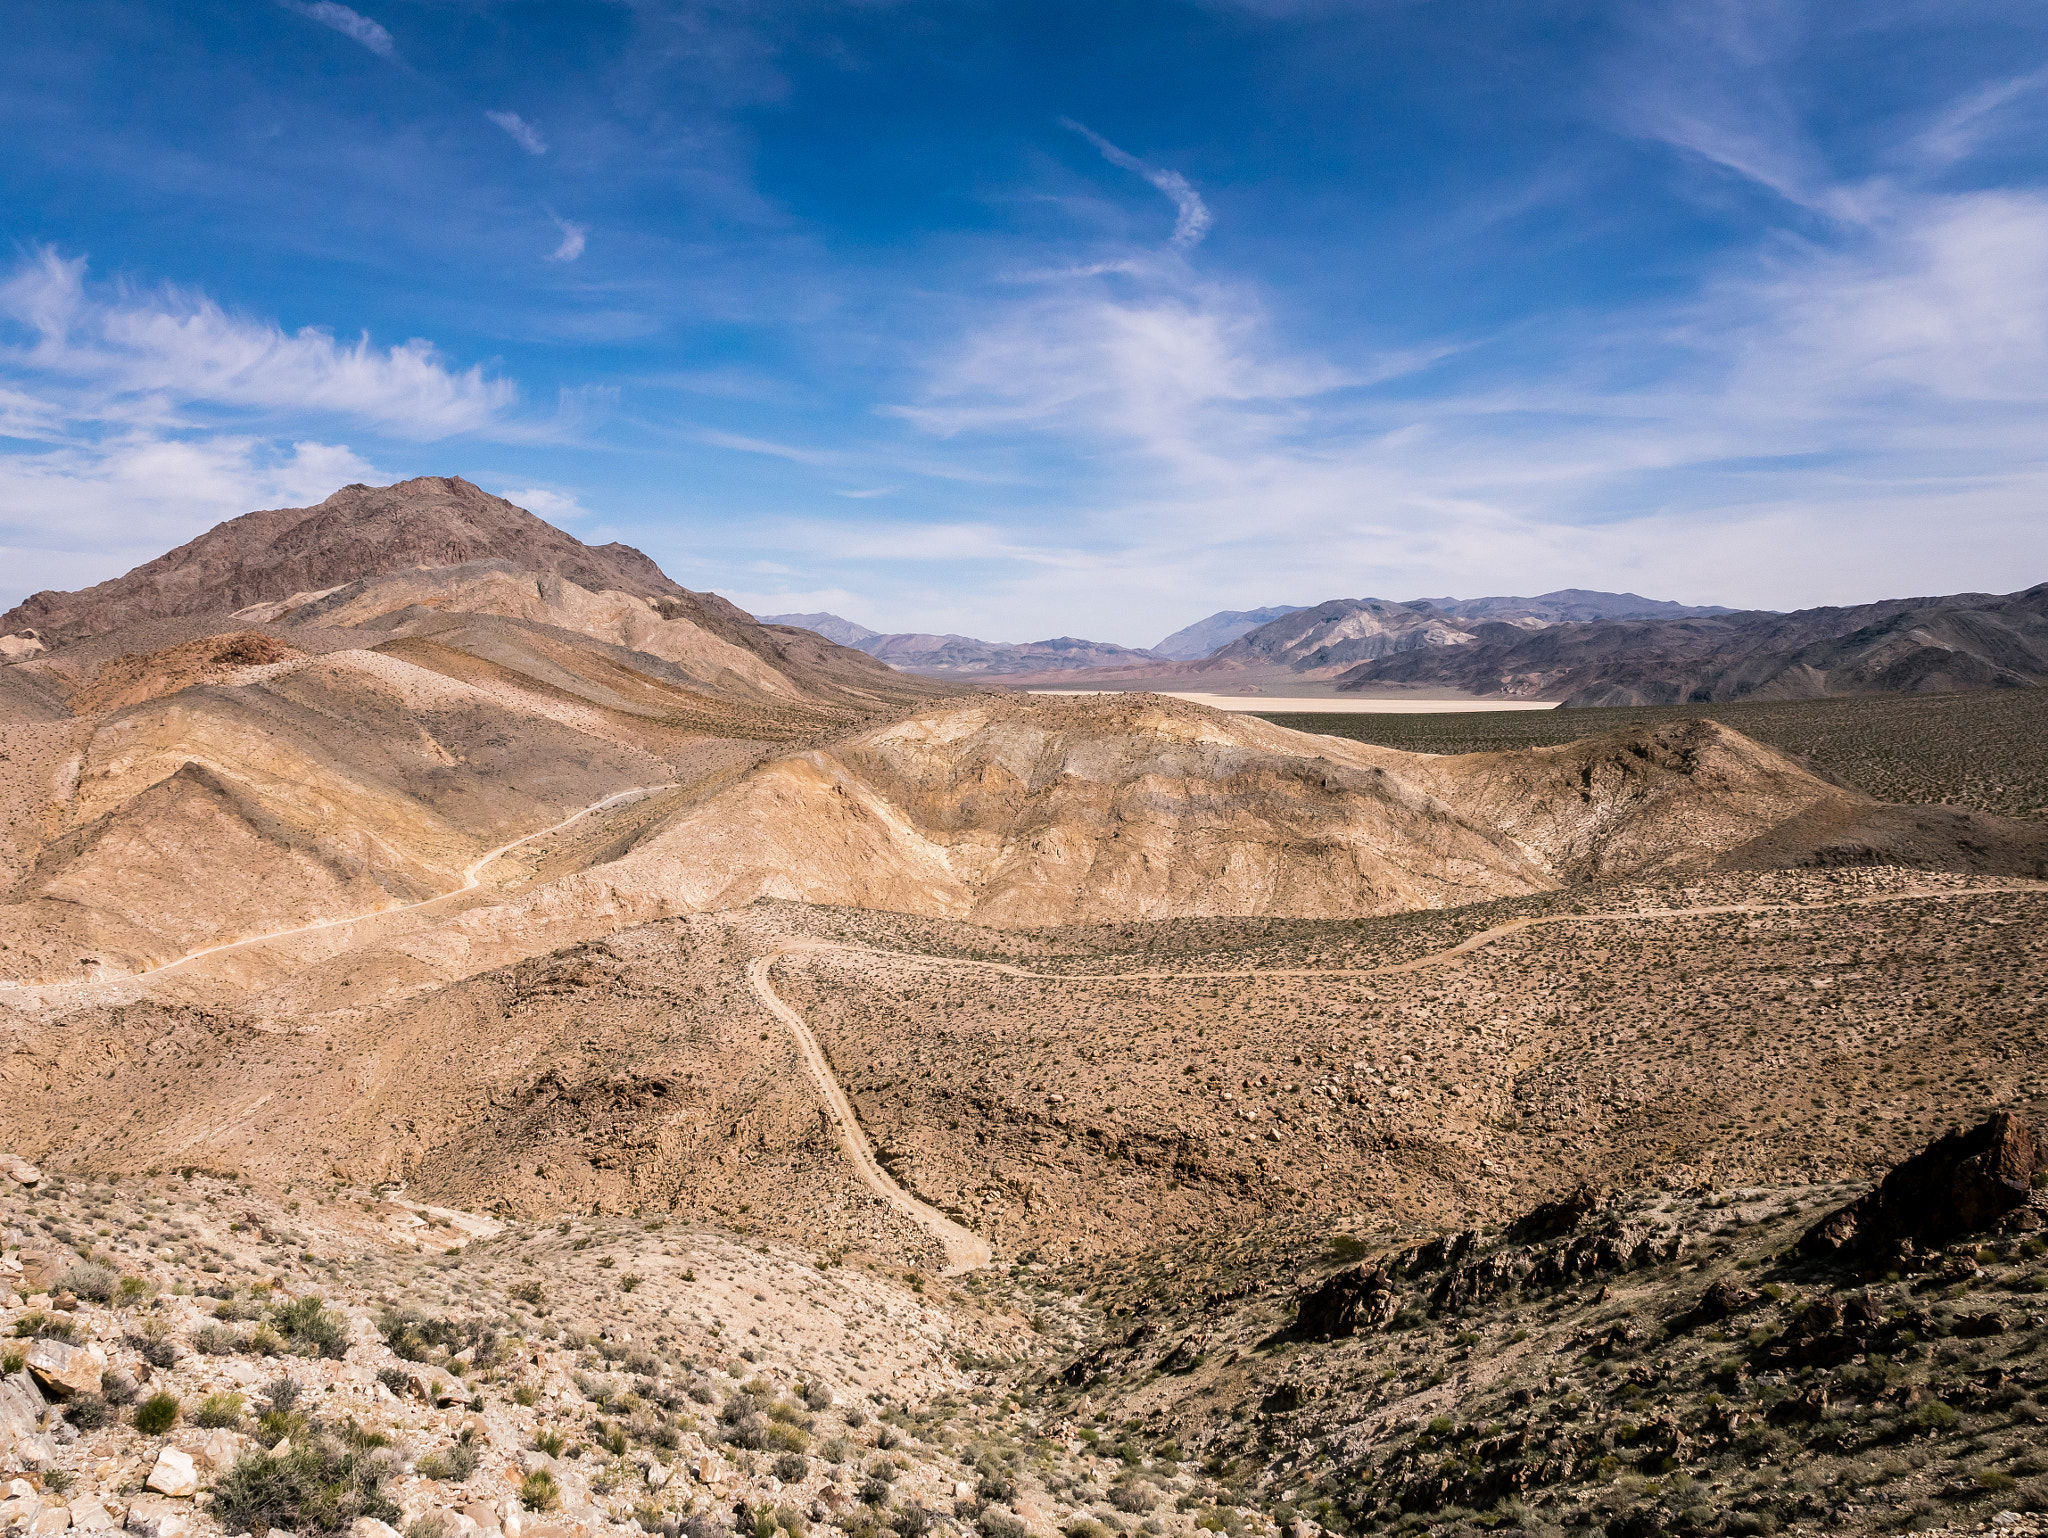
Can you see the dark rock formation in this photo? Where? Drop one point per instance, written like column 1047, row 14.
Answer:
column 1362, row 1298
column 1553, row 1220
column 1960, row 1184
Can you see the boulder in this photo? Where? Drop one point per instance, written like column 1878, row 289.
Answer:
column 1959, row 1184
column 1361, row 1298
column 174, row 1474
column 89, row 1516
column 21, row 1408
column 19, row 1170
column 1553, row 1220
column 63, row 1370
column 370, row 1527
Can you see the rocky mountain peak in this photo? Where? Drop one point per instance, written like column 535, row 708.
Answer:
column 360, row 531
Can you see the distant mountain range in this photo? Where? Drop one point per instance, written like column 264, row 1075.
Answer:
column 959, row 656
column 1339, row 634
column 1900, row 645
column 1206, row 635
column 1573, row 645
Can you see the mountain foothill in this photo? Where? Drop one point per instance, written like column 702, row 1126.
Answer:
column 769, row 1064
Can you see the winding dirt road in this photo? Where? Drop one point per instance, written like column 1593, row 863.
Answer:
column 965, row 1249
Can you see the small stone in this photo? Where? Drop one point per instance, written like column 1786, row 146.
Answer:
column 49, row 1522
column 174, row 1474
column 151, row 1516
column 89, row 1516
column 370, row 1527
column 483, row 1514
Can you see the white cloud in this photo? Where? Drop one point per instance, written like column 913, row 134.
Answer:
column 545, row 502
column 523, row 133
column 138, row 357
column 350, row 24
column 1191, row 217
column 572, row 241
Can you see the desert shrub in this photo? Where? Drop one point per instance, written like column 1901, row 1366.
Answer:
column 218, row 1410
column 913, row 1521
column 154, row 1348
column 781, row 1437
column 539, row 1492
column 312, row 1328
column 37, row 1325
column 817, row 1396
column 599, row 1391
column 455, row 1463
column 875, row 1491
column 214, row 1340
column 238, row 1311
column 1935, row 1415
column 886, row 1438
column 791, row 1467
column 88, row 1412
column 283, row 1394
column 550, row 1442
column 157, row 1414
column 96, row 1282
column 434, row 1524
column 995, row 1484
column 61, row 1484
column 116, row 1387
column 12, row 1361
column 1000, row 1522
column 1136, row 1499
column 1086, row 1527
column 855, row 1416
column 322, row 1486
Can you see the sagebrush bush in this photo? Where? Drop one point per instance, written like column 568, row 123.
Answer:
column 157, row 1414
column 89, row 1281
column 218, row 1411
column 539, row 1492
column 88, row 1412
column 321, row 1486
column 311, row 1328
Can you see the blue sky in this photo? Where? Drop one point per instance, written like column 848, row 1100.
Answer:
column 1042, row 318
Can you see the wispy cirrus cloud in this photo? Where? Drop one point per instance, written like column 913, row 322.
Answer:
column 574, row 238
column 523, row 133
column 1191, row 215
column 349, row 23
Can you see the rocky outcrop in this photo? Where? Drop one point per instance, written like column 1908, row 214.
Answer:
column 1362, row 1298
column 1960, row 1184
column 1555, row 1219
